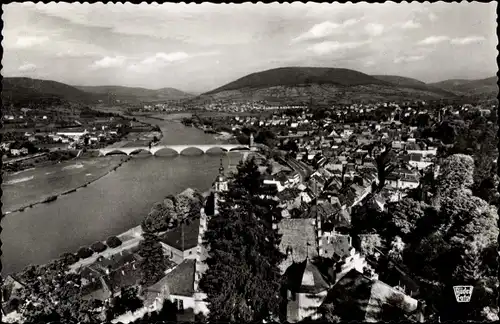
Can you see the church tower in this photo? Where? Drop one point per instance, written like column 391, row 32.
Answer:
column 220, row 185
column 251, row 139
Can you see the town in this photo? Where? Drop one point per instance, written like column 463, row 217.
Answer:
column 35, row 136
column 326, row 170
column 254, row 163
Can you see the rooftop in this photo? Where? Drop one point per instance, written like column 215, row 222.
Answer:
column 305, row 277
column 190, row 232
column 180, row 280
column 363, row 299
column 298, row 238
column 336, row 246
column 126, row 276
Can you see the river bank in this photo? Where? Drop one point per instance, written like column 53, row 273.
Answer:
column 114, row 165
column 108, row 207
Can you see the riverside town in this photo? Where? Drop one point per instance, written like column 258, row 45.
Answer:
column 322, row 163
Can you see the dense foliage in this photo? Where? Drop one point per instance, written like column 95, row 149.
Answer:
column 113, row 242
column 173, row 210
column 243, row 279
column 445, row 241
column 474, row 135
column 98, row 247
column 84, row 252
column 127, row 301
column 50, row 294
column 152, row 263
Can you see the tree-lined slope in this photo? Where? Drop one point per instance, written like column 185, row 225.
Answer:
column 19, row 91
column 299, row 85
column 135, row 94
column 470, row 87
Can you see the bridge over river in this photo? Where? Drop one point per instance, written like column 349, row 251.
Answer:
column 204, row 148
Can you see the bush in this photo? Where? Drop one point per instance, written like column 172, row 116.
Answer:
column 98, row 247
column 84, row 252
column 69, row 258
column 113, row 242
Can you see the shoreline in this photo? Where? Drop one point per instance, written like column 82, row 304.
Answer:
column 54, row 197
column 129, row 234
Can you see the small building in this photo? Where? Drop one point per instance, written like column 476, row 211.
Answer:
column 306, row 289
column 361, row 297
column 182, row 242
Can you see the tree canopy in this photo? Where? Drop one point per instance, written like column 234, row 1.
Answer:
column 453, row 251
column 51, row 294
column 173, row 210
column 152, row 264
column 243, row 279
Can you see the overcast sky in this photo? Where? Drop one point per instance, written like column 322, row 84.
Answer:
column 199, row 47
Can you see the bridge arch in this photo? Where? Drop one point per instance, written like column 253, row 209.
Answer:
column 216, row 149
column 114, row 152
column 164, row 149
column 183, row 150
column 139, row 150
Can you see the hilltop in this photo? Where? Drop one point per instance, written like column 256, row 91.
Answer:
column 462, row 87
column 292, row 76
column 405, row 82
column 25, row 91
column 299, row 85
column 134, row 94
column 399, row 80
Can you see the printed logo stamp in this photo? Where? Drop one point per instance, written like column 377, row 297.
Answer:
column 463, row 293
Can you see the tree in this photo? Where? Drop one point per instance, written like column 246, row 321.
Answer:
column 243, row 278
column 456, row 248
column 266, row 137
column 173, row 209
column 152, row 264
column 69, row 258
column 456, row 173
column 98, row 247
column 113, row 242
column 248, row 177
column 128, row 300
column 366, row 217
column 369, row 243
column 84, row 252
column 397, row 248
column 91, row 311
column 50, row 294
column 403, row 217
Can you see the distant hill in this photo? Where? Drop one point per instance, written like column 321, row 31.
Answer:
column 399, row 80
column 135, row 94
column 292, row 76
column 300, row 85
column 25, row 91
column 462, row 87
column 413, row 84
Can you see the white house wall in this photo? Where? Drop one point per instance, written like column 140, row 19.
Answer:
column 305, row 305
column 176, row 255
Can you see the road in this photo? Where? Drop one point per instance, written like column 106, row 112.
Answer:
column 106, row 254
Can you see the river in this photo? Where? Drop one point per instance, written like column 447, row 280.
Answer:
column 107, row 206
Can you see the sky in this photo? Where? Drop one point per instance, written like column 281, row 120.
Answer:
column 198, row 47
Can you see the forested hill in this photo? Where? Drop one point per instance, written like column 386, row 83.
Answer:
column 135, row 94
column 25, row 91
column 299, row 85
column 291, row 76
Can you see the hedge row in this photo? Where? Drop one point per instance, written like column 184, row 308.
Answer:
column 85, row 252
